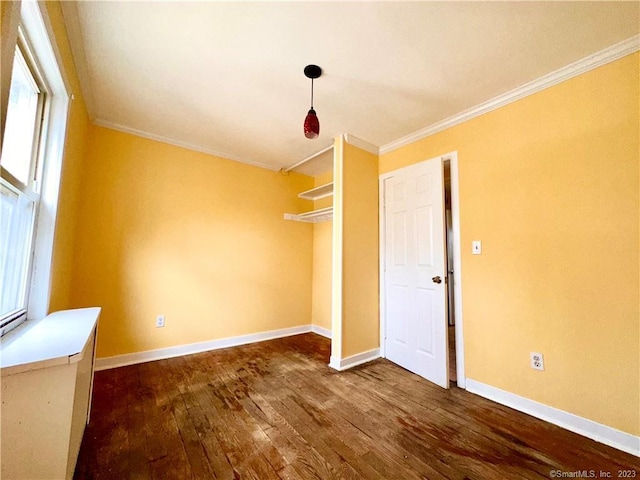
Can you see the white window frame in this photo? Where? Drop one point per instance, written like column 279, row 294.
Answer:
column 30, row 188
column 36, row 27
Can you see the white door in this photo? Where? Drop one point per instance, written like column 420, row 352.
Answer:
column 415, row 271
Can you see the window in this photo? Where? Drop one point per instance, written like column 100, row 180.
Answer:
column 26, row 99
column 19, row 196
column 30, row 166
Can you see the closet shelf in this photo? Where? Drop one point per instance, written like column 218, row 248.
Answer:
column 314, row 216
column 317, row 193
column 322, row 162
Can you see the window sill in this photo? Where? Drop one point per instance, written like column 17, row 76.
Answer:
column 58, row 339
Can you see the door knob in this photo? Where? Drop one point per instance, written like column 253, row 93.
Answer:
column 436, row 280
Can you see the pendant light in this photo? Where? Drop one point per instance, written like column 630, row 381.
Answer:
column 311, row 123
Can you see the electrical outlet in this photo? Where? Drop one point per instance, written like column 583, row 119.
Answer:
column 160, row 321
column 537, row 361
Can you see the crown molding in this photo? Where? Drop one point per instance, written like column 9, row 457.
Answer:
column 574, row 69
column 189, row 146
column 361, row 144
column 71, row 18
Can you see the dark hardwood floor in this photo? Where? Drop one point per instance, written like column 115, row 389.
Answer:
column 453, row 374
column 275, row 410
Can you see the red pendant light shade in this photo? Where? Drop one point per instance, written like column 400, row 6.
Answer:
column 311, row 123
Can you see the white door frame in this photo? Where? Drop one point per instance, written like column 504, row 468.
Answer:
column 452, row 158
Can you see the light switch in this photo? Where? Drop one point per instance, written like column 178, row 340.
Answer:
column 476, row 247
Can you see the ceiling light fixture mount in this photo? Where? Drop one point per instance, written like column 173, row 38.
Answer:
column 311, row 123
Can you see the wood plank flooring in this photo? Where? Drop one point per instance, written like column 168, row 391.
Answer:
column 453, row 374
column 276, row 411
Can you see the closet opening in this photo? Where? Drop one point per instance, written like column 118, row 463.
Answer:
column 319, row 166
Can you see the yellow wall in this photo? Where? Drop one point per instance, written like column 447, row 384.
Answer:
column 74, row 152
column 199, row 239
column 360, row 250
column 550, row 184
column 322, row 238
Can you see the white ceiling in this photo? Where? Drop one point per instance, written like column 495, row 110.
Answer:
column 227, row 77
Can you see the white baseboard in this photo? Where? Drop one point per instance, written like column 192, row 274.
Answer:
column 325, row 332
column 588, row 428
column 353, row 360
column 170, row 352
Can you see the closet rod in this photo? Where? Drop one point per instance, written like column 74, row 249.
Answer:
column 311, row 157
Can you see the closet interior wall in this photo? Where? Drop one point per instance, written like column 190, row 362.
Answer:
column 322, row 251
